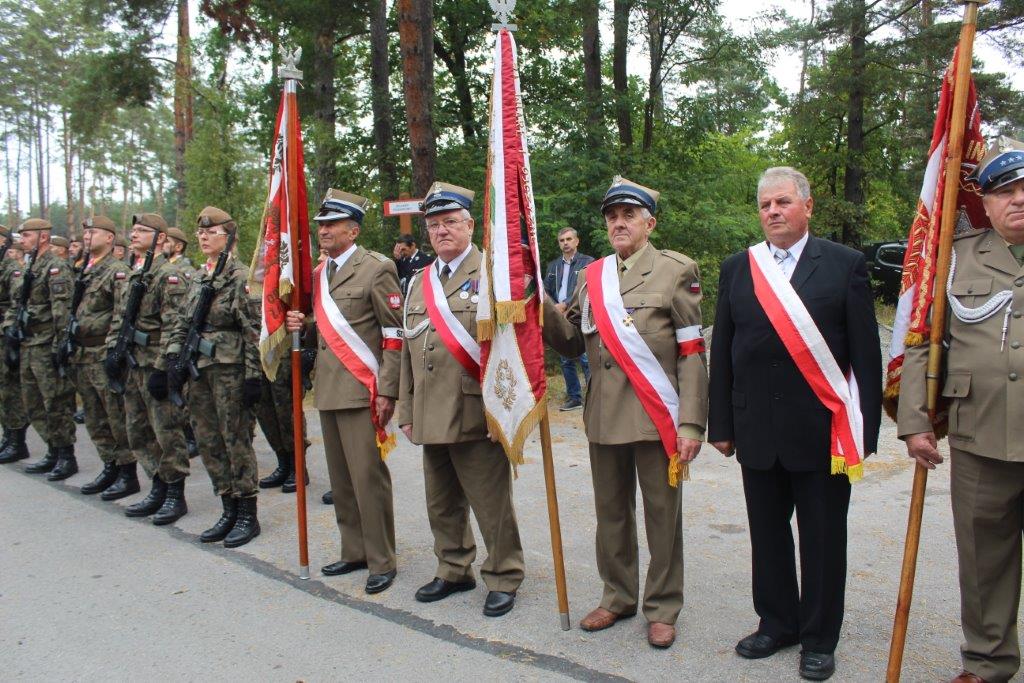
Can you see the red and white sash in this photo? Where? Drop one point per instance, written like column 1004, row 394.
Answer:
column 456, row 338
column 352, row 351
column 813, row 358
column 648, row 379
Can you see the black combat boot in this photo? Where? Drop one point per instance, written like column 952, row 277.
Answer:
column 66, row 465
column 126, row 484
column 224, row 525
column 289, row 485
column 247, row 527
column 16, row 449
column 43, row 466
column 106, row 477
column 285, row 468
column 174, row 507
column 152, row 502
column 191, row 445
column 7, row 440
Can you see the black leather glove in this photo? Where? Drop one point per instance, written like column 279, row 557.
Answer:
column 308, row 361
column 251, row 390
column 157, row 385
column 10, row 334
column 113, row 365
column 175, row 378
column 55, row 359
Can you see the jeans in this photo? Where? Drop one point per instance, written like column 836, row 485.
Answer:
column 572, row 380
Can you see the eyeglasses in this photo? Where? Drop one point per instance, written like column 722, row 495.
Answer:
column 205, row 232
column 448, row 224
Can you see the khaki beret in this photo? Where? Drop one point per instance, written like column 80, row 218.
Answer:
column 59, row 241
column 35, row 224
column 177, row 234
column 211, row 217
column 150, row 220
column 100, row 223
column 120, row 241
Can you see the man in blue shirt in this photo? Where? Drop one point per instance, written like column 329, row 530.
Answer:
column 560, row 283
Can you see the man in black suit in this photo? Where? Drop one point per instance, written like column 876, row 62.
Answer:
column 763, row 409
column 408, row 259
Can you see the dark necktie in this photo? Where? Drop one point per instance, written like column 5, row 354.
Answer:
column 446, row 273
column 332, row 268
column 781, row 255
column 1018, row 253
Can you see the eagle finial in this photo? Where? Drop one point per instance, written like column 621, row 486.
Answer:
column 290, row 67
column 503, row 11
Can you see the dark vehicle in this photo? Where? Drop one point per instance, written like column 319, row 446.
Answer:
column 885, row 266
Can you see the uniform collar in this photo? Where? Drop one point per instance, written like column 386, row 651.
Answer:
column 454, row 264
column 344, row 256
column 794, row 250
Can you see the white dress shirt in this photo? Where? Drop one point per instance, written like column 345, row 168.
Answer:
column 788, row 264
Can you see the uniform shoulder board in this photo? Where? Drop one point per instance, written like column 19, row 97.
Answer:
column 972, row 233
column 676, row 256
column 377, row 255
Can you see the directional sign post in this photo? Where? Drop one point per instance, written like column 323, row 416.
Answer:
column 405, row 209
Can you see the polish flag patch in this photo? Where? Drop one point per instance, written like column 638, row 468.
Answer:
column 173, row 279
column 395, row 301
column 120, row 276
column 695, row 287
column 54, row 271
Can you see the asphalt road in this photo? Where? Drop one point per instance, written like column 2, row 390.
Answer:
column 87, row 594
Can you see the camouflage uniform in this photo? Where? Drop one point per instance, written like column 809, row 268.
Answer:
column 48, row 398
column 223, row 426
column 104, row 410
column 274, row 411
column 154, row 427
column 12, row 408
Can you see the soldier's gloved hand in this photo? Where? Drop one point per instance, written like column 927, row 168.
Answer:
column 308, row 361
column 251, row 389
column 55, row 358
column 11, row 335
column 112, row 365
column 175, row 378
column 157, row 385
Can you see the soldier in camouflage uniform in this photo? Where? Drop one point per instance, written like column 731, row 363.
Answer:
column 274, row 415
column 175, row 247
column 154, row 425
column 49, row 398
column 104, row 279
column 223, row 423
column 12, row 410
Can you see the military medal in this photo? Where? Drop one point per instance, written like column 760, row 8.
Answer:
column 475, row 298
column 463, row 295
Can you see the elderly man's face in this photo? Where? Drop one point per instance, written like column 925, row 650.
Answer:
column 628, row 228
column 1005, row 208
column 450, row 233
column 784, row 214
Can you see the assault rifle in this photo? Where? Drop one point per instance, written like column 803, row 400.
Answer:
column 70, row 345
column 128, row 337
column 16, row 333
column 194, row 344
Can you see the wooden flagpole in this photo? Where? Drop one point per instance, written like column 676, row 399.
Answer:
column 553, row 520
column 951, row 188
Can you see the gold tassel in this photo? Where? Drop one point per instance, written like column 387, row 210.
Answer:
column 485, row 329
column 852, row 472
column 510, row 312
column 915, row 339
column 386, row 446
column 514, row 450
column 677, row 471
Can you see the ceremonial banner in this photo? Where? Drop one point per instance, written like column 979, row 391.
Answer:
column 509, row 316
column 912, row 323
column 275, row 270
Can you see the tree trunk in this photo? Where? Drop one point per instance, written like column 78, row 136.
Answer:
column 620, row 77
column 9, row 222
column 41, row 162
column 853, row 180
column 455, row 61
column 81, row 188
column 324, row 110
column 592, row 71
column 416, row 37
column 74, row 225
column 655, row 105
column 805, row 55
column 182, row 108
column 380, row 99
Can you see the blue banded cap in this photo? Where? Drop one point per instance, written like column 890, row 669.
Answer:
column 442, row 197
column 623, row 191
column 339, row 205
column 1001, row 166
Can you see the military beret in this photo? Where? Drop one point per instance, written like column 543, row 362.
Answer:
column 442, row 197
column 100, row 223
column 59, row 241
column 339, row 205
column 177, row 234
column 623, row 191
column 35, row 224
column 120, row 241
column 150, row 220
column 1003, row 164
column 211, row 217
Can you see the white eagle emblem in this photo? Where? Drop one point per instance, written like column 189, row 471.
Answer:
column 503, row 10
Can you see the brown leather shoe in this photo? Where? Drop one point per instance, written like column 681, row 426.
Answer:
column 968, row 677
column 661, row 635
column 601, row 619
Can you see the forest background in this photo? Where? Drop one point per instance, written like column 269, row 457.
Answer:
column 121, row 106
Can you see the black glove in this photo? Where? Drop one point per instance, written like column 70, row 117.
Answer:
column 308, row 361
column 175, row 378
column 157, row 385
column 113, row 365
column 251, row 390
column 55, row 359
column 11, row 335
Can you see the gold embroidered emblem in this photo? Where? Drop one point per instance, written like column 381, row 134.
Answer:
column 505, row 385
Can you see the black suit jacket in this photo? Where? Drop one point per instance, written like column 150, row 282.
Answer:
column 758, row 398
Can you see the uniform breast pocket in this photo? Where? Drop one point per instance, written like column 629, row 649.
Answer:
column 972, row 292
column 348, row 298
column 961, row 413
column 644, row 311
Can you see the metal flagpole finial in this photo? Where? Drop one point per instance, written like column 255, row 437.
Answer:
column 290, row 69
column 503, row 10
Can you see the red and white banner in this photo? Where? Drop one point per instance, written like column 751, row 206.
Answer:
column 352, row 351
column 275, row 269
column 810, row 352
column 509, row 315
column 911, row 326
column 648, row 379
column 454, row 336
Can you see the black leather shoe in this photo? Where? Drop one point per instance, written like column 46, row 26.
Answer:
column 279, row 475
column 817, row 666
column 759, row 645
column 174, row 507
column 290, row 486
column 378, row 583
column 126, row 484
column 66, row 465
column 43, row 466
column 226, row 522
column 343, row 567
column 498, row 603
column 247, row 526
column 439, row 589
column 153, row 501
column 328, row 498
column 106, row 477
column 16, row 449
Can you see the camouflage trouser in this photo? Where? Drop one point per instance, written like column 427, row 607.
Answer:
column 104, row 414
column 12, row 408
column 224, row 429
column 154, row 430
column 274, row 412
column 49, row 399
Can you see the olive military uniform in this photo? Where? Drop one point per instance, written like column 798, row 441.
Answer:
column 12, row 410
